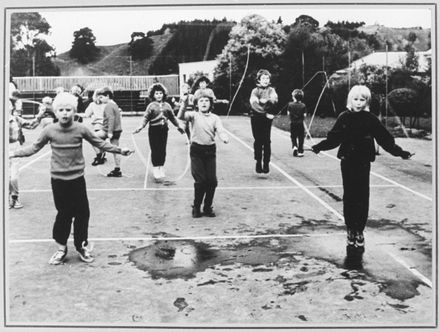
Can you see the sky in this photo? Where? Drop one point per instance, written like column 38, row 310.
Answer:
column 114, row 26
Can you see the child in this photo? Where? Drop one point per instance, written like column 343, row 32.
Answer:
column 46, row 114
column 297, row 113
column 158, row 113
column 186, row 104
column 263, row 100
column 201, row 86
column 203, row 152
column 95, row 111
column 111, row 126
column 355, row 131
column 16, row 106
column 15, row 126
column 67, row 175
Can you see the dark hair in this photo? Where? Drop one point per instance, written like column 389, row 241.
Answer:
column 157, row 87
column 197, row 82
column 205, row 95
column 105, row 91
column 262, row 72
column 298, row 94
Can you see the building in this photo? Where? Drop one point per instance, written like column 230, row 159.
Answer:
column 190, row 68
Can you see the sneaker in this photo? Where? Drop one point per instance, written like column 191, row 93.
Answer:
column 208, row 212
column 300, row 154
column 58, row 257
column 161, row 172
column 17, row 204
column 295, row 151
column 258, row 168
column 11, row 202
column 116, row 173
column 359, row 240
column 196, row 212
column 85, row 254
column 266, row 168
column 156, row 172
column 351, row 238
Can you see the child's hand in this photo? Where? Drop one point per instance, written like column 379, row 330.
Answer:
column 315, row 149
column 137, row 130
column 269, row 116
column 263, row 100
column 407, row 154
column 126, row 151
column 181, row 130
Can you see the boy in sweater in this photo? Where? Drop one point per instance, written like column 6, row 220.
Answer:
column 67, row 175
column 263, row 100
column 297, row 113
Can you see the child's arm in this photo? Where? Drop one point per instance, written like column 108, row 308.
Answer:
column 221, row 131
column 145, row 119
column 29, row 150
column 386, row 140
column 103, row 145
column 254, row 100
column 334, row 137
column 174, row 121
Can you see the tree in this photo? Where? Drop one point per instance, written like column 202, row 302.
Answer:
column 264, row 41
column 140, row 46
column 30, row 53
column 83, row 46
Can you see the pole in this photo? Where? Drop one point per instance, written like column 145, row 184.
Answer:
column 386, row 83
column 302, row 58
column 33, row 65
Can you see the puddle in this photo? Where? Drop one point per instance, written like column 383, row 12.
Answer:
column 183, row 259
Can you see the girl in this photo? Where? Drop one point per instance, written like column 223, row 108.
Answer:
column 263, row 100
column 158, row 113
column 203, row 152
column 354, row 131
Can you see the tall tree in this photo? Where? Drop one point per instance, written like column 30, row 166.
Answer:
column 83, row 46
column 30, row 53
column 265, row 42
column 140, row 46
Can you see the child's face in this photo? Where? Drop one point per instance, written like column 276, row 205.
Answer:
column 358, row 103
column 158, row 95
column 103, row 99
column 204, row 104
column 65, row 114
column 202, row 84
column 264, row 80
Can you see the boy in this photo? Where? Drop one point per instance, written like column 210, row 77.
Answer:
column 263, row 100
column 67, row 175
column 297, row 113
column 203, row 152
column 111, row 125
column 355, row 131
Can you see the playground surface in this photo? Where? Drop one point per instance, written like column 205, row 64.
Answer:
column 273, row 257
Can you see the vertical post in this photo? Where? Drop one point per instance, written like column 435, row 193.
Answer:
column 130, row 86
column 386, row 83
column 302, row 59
column 33, row 65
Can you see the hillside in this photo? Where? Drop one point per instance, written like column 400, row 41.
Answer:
column 172, row 45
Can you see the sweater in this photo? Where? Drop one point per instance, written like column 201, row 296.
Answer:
column 268, row 93
column 67, row 160
column 112, row 118
column 158, row 113
column 296, row 111
column 204, row 127
column 355, row 132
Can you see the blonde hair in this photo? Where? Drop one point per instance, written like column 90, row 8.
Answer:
column 359, row 90
column 65, row 99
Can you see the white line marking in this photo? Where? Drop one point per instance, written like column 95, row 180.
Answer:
column 225, row 237
column 411, row 269
column 336, row 213
column 285, row 135
column 218, row 188
column 35, row 160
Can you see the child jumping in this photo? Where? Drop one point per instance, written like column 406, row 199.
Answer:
column 297, row 114
column 355, row 131
column 263, row 100
column 67, row 175
column 157, row 114
column 204, row 126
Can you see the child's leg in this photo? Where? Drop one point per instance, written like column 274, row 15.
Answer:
column 82, row 212
column 211, row 180
column 293, row 135
column 14, row 166
column 198, row 172
column 256, row 125
column 266, row 142
column 154, row 138
column 63, row 199
column 115, row 141
column 301, row 135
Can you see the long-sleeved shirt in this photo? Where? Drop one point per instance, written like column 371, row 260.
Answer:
column 204, row 127
column 260, row 109
column 355, row 133
column 96, row 113
column 112, row 118
column 67, row 161
column 158, row 113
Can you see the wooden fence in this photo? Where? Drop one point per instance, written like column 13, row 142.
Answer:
column 118, row 83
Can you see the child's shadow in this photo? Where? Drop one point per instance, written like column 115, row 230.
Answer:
column 353, row 260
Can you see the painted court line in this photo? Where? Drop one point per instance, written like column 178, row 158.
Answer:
column 285, row 135
column 225, row 237
column 35, row 160
column 192, row 188
column 414, row 271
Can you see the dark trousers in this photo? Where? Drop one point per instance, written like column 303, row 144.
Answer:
column 158, row 137
column 203, row 170
column 297, row 136
column 356, row 183
column 70, row 197
column 261, row 127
